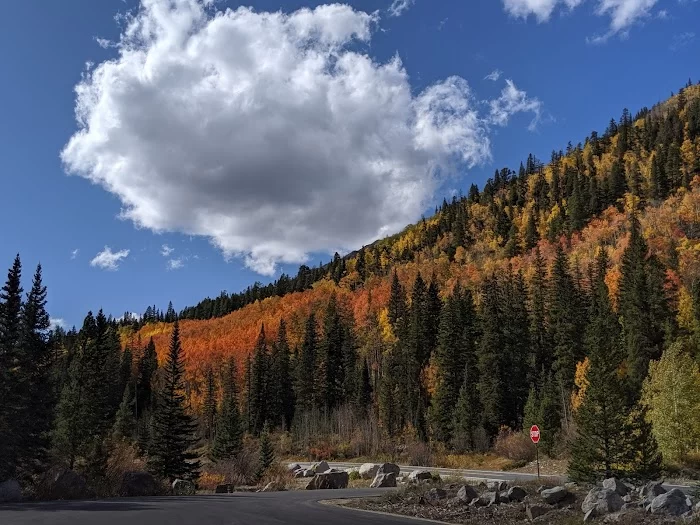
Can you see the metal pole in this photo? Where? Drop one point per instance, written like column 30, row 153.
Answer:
column 537, row 449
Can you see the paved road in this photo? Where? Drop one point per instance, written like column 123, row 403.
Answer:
column 244, row 508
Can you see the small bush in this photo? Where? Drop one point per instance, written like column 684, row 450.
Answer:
column 419, row 454
column 354, row 475
column 514, row 445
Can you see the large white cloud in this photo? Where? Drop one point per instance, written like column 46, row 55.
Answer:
column 270, row 133
column 109, row 260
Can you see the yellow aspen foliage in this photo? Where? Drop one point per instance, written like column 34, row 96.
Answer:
column 685, row 309
column 385, row 328
column 580, row 383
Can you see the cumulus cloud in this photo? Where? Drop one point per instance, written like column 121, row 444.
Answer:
column 271, row 134
column 681, row 40
column 623, row 14
column 398, row 7
column 109, row 260
column 494, row 75
column 176, row 264
column 74, row 253
column 56, row 322
column 541, row 9
column 511, row 101
column 166, row 250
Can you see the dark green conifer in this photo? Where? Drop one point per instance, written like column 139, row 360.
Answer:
column 229, row 430
column 174, row 430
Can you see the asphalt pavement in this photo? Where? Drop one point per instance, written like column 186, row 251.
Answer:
column 243, row 508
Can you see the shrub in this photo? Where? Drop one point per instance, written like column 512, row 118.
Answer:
column 354, row 475
column 419, row 454
column 514, row 445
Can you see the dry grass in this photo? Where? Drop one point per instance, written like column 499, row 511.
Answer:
column 515, row 446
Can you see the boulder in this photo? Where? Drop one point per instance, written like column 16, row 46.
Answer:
column 467, row 493
column 589, row 516
column 503, row 497
column 308, row 473
column 497, row 485
column 490, row 498
column 135, row 484
column 535, row 511
column 672, row 502
column 384, row 480
column 651, row 490
column 368, row 470
column 615, row 485
column 387, row 468
column 273, row 487
column 10, row 491
column 224, row 489
column 435, row 494
column 601, row 501
column 329, row 480
column 320, row 467
column 516, row 494
column 293, row 467
column 67, row 484
column 299, row 473
column 183, row 487
column 418, row 475
column 555, row 495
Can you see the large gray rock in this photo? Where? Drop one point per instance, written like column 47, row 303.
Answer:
column 490, row 498
column 535, row 511
column 387, row 468
column 555, row 495
column 368, row 470
column 320, row 467
column 673, row 502
column 329, row 480
column 516, row 494
column 293, row 467
column 435, row 494
column 67, row 484
column 183, row 487
column 10, row 491
column 651, row 490
column 497, row 484
column 384, row 480
column 467, row 493
column 601, row 501
column 615, row 485
column 136, row 484
column 419, row 475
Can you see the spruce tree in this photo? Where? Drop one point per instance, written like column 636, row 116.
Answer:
column 281, row 384
column 209, row 408
column 146, row 370
column 39, row 390
column 306, row 370
column 260, row 374
column 331, row 347
column 266, row 454
column 125, row 422
column 363, row 394
column 11, row 375
column 642, row 308
column 601, row 447
column 541, row 352
column 173, row 428
column 466, row 422
column 229, row 430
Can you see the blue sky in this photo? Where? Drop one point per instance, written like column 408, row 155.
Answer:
column 243, row 157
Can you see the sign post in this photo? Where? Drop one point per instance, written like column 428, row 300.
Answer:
column 535, row 437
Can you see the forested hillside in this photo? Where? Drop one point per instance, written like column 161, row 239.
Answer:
column 564, row 293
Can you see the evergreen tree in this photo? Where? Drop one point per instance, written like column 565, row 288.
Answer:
column 601, row 447
column 173, row 428
column 642, row 308
column 146, row 370
column 38, row 392
column 541, row 353
column 266, row 455
column 11, row 375
column 397, row 301
column 281, row 387
column 229, row 431
column 467, row 415
column 363, row 396
column 125, row 422
column 306, row 371
column 332, row 366
column 209, row 409
column 644, row 455
column 260, row 371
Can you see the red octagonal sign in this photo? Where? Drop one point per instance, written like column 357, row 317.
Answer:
column 535, row 434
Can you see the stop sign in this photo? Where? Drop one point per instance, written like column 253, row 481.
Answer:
column 535, row 434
